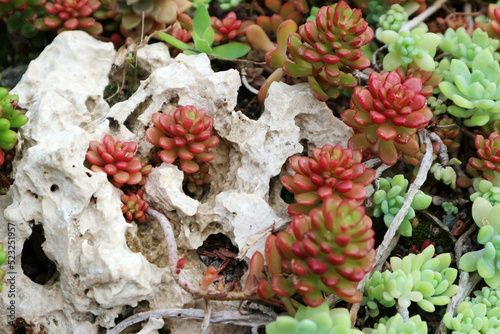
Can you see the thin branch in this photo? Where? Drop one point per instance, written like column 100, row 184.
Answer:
column 460, row 243
column 443, row 151
column 246, row 84
column 206, row 320
column 173, row 258
column 440, row 223
column 374, row 57
column 391, row 237
column 424, row 15
column 222, row 317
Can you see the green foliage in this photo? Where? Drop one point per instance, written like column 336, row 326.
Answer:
column 376, row 8
column 9, row 118
column 489, row 190
column 228, row 4
column 475, row 91
column 449, row 208
column 477, row 315
column 485, row 260
column 198, row 3
column 410, row 47
column 447, row 174
column 389, row 199
column 459, row 44
column 203, row 37
column 314, row 320
column 422, row 279
column 393, row 19
column 397, row 325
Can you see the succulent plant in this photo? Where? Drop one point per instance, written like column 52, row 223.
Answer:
column 447, row 174
column 323, row 47
column 376, row 8
column 448, row 130
column 195, row 181
column 486, row 260
column 184, row 133
column 387, row 116
column 493, row 26
column 449, row 208
column 118, row 160
column 10, row 118
column 393, row 19
column 70, row 15
column 397, row 325
column 282, row 13
column 488, row 161
column 330, row 250
column 227, row 28
column 477, row 315
column 489, row 190
column 197, row 3
column 422, row 279
column 134, row 207
column 157, row 15
column 475, row 91
column 314, row 320
column 389, row 198
column 409, row 47
column 330, row 171
column 459, row 44
column 26, row 7
column 228, row 4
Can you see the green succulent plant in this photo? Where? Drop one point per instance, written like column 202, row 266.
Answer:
column 485, row 261
column 410, row 47
column 475, row 91
column 314, row 320
column 389, row 199
column 449, row 208
column 479, row 315
column 489, row 190
column 393, row 19
column 397, row 325
column 376, row 8
column 422, row 279
column 460, row 45
column 228, row 4
column 447, row 174
column 10, row 118
column 203, row 37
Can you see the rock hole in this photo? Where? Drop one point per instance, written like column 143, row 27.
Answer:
column 287, row 196
column 54, row 188
column 218, row 251
column 113, row 124
column 35, row 264
column 131, row 121
column 90, row 103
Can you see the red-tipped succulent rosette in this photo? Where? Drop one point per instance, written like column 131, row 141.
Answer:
column 488, row 151
column 134, row 207
column 330, row 250
column 387, row 116
column 324, row 47
column 228, row 28
column 70, row 15
column 118, row 160
column 330, row 171
column 184, row 133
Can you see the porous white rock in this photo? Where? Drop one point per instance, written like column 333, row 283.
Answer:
column 80, row 210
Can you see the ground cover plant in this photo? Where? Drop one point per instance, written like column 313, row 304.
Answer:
column 394, row 233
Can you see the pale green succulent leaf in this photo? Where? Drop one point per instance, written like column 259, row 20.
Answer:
column 468, row 261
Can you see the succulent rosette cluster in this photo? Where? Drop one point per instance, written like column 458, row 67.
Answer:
column 314, row 320
column 480, row 314
column 134, row 207
column 424, row 279
column 184, row 133
column 195, row 181
column 488, row 161
column 70, row 15
column 386, row 116
column 332, row 171
column 324, row 47
column 409, row 47
column 393, row 19
column 397, row 325
column 485, row 261
column 118, row 161
column 489, row 190
column 227, row 28
column 475, row 90
column 460, row 45
column 389, row 199
column 330, row 250
column 493, row 26
column 448, row 130
column 290, row 10
column 26, row 7
column 10, row 118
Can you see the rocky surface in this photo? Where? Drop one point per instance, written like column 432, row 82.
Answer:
column 103, row 263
